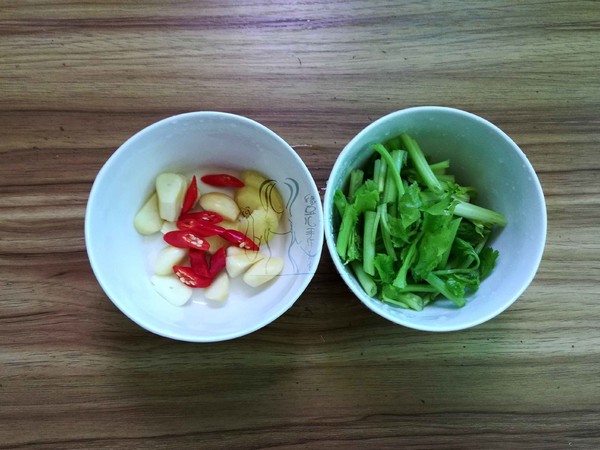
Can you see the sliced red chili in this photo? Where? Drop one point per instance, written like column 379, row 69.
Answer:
column 191, row 195
column 186, row 239
column 205, row 216
column 217, row 262
column 239, row 239
column 199, row 263
column 187, row 276
column 200, row 227
column 222, row 180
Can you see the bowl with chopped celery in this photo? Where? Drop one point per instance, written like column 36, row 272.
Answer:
column 204, row 226
column 435, row 218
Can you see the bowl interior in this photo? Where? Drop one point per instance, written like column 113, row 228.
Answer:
column 122, row 259
column 480, row 155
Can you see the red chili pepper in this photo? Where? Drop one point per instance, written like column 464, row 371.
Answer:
column 199, row 263
column 217, row 262
column 191, row 195
column 239, row 239
column 205, row 216
column 222, row 180
column 186, row 239
column 187, row 276
column 200, row 227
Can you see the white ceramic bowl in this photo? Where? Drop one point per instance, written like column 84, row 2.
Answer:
column 122, row 259
column 480, row 155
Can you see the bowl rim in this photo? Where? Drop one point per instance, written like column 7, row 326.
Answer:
column 370, row 302
column 184, row 336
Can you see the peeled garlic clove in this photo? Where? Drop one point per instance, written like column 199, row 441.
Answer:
column 215, row 243
column 252, row 255
column 168, row 227
column 219, row 288
column 147, row 220
column 171, row 289
column 220, row 203
column 260, row 226
column 269, row 195
column 271, row 198
column 248, row 199
column 170, row 188
column 253, row 178
column 263, row 271
column 239, row 260
column 167, row 258
column 230, row 225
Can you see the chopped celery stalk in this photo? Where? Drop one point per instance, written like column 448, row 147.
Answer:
column 379, row 174
column 339, row 199
column 420, row 163
column 390, row 193
column 369, row 236
column 417, row 288
column 349, row 220
column 440, row 167
column 356, row 180
column 445, row 177
column 443, row 288
column 385, row 231
column 365, row 280
column 400, row 280
column 480, row 214
column 409, row 300
column 393, row 144
column 390, row 163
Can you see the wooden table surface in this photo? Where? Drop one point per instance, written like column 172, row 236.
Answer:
column 79, row 77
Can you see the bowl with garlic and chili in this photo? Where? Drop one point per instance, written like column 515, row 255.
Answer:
column 204, row 226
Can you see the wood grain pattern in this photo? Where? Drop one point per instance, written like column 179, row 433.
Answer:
column 78, row 77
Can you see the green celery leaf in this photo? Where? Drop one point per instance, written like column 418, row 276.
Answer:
column 384, row 265
column 473, row 232
column 444, row 206
column 354, row 251
column 366, row 197
column 459, row 192
column 436, row 241
column 409, row 206
column 488, row 258
column 455, row 286
column 464, row 255
column 469, row 280
column 400, row 235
